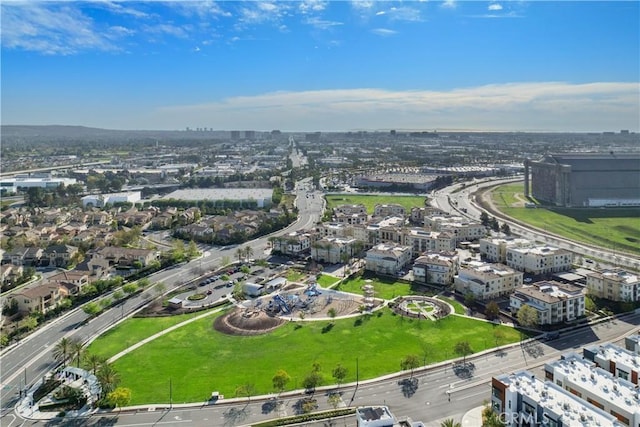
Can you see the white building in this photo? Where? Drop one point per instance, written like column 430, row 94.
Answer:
column 614, row 284
column 437, row 268
column 260, row 197
column 295, row 243
column 421, row 240
column 582, row 378
column 460, row 227
column 632, row 343
column 333, row 250
column 101, row 200
column 522, row 399
column 389, row 210
column 387, row 259
column 46, row 181
column 495, row 249
column 539, row 259
column 620, row 362
column 553, row 301
column 388, row 230
column 487, row 281
column 351, row 214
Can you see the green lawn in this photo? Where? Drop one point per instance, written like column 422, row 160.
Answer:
column 198, row 359
column 384, row 288
column 295, row 275
column 459, row 308
column 132, row 331
column 325, row 280
column 617, row 229
column 371, row 201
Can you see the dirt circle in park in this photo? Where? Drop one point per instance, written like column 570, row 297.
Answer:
column 242, row 321
column 422, row 307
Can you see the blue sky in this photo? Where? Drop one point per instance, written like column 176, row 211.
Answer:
column 323, row 65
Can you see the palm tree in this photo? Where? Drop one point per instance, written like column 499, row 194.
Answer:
column 248, row 252
column 77, row 351
column 94, row 362
column 239, row 254
column 62, row 350
column 449, row 422
column 108, row 378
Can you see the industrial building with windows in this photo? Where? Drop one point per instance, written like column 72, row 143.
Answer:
column 585, row 179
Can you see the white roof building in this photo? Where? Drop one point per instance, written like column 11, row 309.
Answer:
column 539, row 259
column 614, row 284
column 487, row 281
column 387, row 259
column 554, row 302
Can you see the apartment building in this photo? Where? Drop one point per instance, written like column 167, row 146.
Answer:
column 487, row 281
column 333, row 250
column 618, row 361
column 294, row 244
column 598, row 387
column 463, row 229
column 495, row 249
column 555, row 302
column 380, row 210
column 539, row 260
column 421, row 240
column 333, row 229
column 387, row 259
column 614, row 284
column 437, row 268
column 632, row 343
column 350, row 214
column 388, row 230
column 521, row 399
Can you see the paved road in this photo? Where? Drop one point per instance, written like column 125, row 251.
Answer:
column 32, row 358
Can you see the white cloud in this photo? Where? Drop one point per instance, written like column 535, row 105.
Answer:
column 449, row 4
column 383, row 32
column 554, row 106
column 51, row 28
column 495, row 6
column 322, row 24
column 312, row 6
column 202, row 9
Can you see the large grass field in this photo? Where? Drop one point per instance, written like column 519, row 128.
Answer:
column 384, row 288
column 199, row 360
column 370, row 202
column 613, row 228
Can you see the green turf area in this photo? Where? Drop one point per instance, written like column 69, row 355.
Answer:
column 370, row 202
column 384, row 288
column 611, row 228
column 325, row 280
column 295, row 276
column 132, row 331
column 199, row 360
column 459, row 308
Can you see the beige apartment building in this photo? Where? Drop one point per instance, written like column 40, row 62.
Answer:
column 553, row 301
column 437, row 268
column 614, row 284
column 495, row 249
column 487, row 281
column 539, row 259
column 388, row 259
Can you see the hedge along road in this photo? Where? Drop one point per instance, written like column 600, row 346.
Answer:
column 196, row 359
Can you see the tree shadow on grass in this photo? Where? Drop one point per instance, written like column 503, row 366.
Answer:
column 327, row 328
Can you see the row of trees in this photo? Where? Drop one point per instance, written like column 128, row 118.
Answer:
column 492, row 223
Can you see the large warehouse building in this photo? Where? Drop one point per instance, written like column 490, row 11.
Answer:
column 585, row 179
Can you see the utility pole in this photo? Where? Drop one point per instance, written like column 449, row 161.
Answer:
column 170, row 395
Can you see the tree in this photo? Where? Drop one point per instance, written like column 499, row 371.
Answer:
column 498, row 335
column 192, row 250
column 334, row 400
column 339, row 373
column 527, row 316
column 409, row 363
column 469, row 299
column 506, row 229
column 239, row 254
column 246, row 389
column 62, row 350
column 119, row 397
column 280, row 380
column 77, row 351
column 484, row 219
column 248, row 252
column 449, row 422
column 492, row 310
column 93, row 361
column 108, row 378
column 463, row 348
column 332, row 313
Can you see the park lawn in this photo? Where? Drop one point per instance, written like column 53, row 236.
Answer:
column 132, row 331
column 459, row 308
column 198, row 359
column 384, row 288
column 614, row 228
column 370, row 202
column 295, row 275
column 326, row 280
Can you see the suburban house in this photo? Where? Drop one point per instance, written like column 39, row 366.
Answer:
column 126, row 256
column 71, row 282
column 42, row 298
column 58, row 255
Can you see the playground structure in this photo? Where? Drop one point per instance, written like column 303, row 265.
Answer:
column 309, row 300
column 422, row 307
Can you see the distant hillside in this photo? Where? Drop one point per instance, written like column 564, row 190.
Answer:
column 23, row 133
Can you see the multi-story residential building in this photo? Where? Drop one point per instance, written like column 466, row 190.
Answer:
column 598, row 387
column 521, row 399
column 614, row 284
column 333, row 229
column 460, row 227
column 351, row 214
column 539, row 259
column 389, row 210
column 39, row 298
column 126, row 256
column 421, row 240
column 388, row 230
column 417, row 215
column 553, row 301
column 618, row 361
column 59, row 255
column 387, row 259
column 487, row 281
column 495, row 249
column 333, row 250
column 632, row 343
column 436, row 268
column 295, row 243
